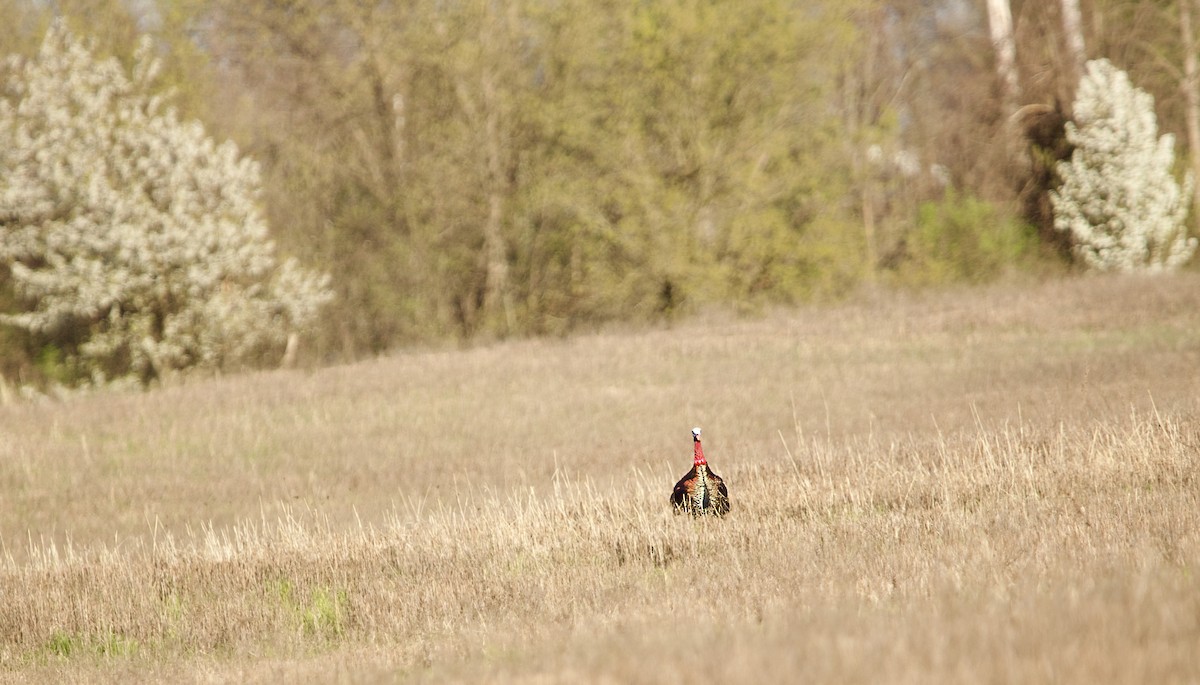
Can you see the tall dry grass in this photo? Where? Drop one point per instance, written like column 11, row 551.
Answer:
column 990, row 486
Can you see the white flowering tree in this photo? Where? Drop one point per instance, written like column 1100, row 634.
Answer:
column 129, row 233
column 1119, row 199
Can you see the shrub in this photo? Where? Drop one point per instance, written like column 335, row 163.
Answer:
column 1119, row 199
column 963, row 238
column 133, row 240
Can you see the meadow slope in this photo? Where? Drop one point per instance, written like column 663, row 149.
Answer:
column 983, row 486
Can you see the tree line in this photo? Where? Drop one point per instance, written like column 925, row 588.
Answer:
column 490, row 168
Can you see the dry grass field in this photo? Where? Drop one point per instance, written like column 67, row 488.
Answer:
column 989, row 486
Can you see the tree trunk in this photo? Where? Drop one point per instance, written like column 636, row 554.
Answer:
column 1001, row 26
column 497, row 300
column 868, row 216
column 289, row 352
column 1191, row 93
column 480, row 96
column 1073, row 29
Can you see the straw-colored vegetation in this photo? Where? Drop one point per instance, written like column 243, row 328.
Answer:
column 989, row 487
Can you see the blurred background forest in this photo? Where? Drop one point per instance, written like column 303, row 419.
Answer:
column 493, row 168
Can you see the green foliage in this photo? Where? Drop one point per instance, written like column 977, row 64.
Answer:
column 322, row 614
column 23, row 25
column 965, row 239
column 705, row 133
column 325, row 614
column 174, row 613
column 52, row 366
column 506, row 168
column 63, row 644
column 114, row 645
column 68, row 645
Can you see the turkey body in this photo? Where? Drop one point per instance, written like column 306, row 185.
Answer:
column 701, row 492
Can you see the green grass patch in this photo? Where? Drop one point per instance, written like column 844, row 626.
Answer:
column 320, row 613
column 66, row 645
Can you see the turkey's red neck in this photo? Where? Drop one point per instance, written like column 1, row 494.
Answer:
column 698, row 454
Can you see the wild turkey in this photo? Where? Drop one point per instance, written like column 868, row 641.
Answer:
column 701, row 491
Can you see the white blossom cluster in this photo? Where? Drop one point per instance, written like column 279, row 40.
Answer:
column 1119, row 199
column 117, row 217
